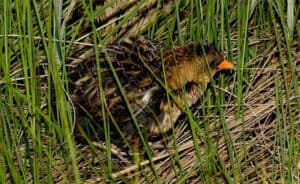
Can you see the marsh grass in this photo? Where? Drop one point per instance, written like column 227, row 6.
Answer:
column 245, row 128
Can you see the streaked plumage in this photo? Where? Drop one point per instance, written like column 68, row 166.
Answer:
column 139, row 65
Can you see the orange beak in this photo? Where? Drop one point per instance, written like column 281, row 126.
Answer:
column 226, row 65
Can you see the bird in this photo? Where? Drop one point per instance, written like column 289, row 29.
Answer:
column 133, row 79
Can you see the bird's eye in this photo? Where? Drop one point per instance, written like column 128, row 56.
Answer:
column 214, row 64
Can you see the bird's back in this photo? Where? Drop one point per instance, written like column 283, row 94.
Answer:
column 130, row 65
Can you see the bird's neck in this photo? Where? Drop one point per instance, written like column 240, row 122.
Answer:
column 181, row 73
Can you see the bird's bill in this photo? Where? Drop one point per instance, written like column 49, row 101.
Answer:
column 226, row 65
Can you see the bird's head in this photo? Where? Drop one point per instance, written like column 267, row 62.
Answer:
column 213, row 59
column 193, row 63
